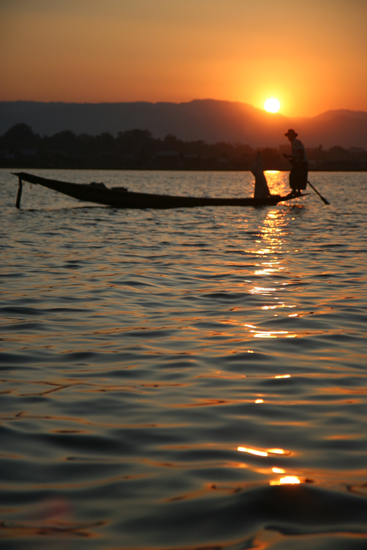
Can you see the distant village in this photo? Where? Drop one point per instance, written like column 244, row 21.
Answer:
column 137, row 149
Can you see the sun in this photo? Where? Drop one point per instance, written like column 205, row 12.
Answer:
column 272, row 105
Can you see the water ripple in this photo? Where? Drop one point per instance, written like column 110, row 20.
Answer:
column 184, row 380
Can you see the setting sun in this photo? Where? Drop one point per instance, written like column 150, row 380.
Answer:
column 272, row 105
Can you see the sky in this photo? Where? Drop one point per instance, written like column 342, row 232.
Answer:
column 311, row 55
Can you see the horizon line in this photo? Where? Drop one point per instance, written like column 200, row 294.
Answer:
column 179, row 103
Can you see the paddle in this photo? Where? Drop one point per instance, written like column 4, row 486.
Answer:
column 316, row 191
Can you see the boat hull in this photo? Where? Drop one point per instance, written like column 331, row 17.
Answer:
column 120, row 198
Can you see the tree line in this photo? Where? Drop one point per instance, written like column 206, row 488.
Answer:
column 20, row 147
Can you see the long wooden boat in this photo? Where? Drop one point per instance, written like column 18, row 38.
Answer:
column 120, row 197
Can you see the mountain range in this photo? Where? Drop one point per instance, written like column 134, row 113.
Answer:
column 207, row 120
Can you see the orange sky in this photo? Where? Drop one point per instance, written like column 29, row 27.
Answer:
column 310, row 55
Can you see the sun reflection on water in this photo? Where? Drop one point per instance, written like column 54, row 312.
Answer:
column 281, row 305
column 285, row 479
column 257, row 333
column 278, row 470
column 270, row 278
column 261, row 290
column 276, row 182
column 263, row 452
column 252, row 451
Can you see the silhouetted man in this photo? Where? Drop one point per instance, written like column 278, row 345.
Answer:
column 299, row 172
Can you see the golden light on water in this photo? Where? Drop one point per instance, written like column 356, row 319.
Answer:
column 257, row 333
column 277, row 451
column 252, row 451
column 270, row 248
column 270, row 278
column 268, row 453
column 278, row 306
column 261, row 289
column 273, row 334
column 262, row 452
column 287, row 480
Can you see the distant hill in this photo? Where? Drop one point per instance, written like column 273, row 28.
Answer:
column 208, row 120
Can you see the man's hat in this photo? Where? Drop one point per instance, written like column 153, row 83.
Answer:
column 291, row 133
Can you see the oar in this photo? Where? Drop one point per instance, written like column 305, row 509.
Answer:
column 316, row 191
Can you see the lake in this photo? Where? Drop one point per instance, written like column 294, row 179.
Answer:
column 188, row 378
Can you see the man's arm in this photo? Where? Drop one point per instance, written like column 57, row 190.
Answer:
column 291, row 158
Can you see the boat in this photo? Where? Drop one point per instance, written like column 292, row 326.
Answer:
column 120, row 197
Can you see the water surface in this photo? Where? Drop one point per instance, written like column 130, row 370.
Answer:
column 184, row 379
